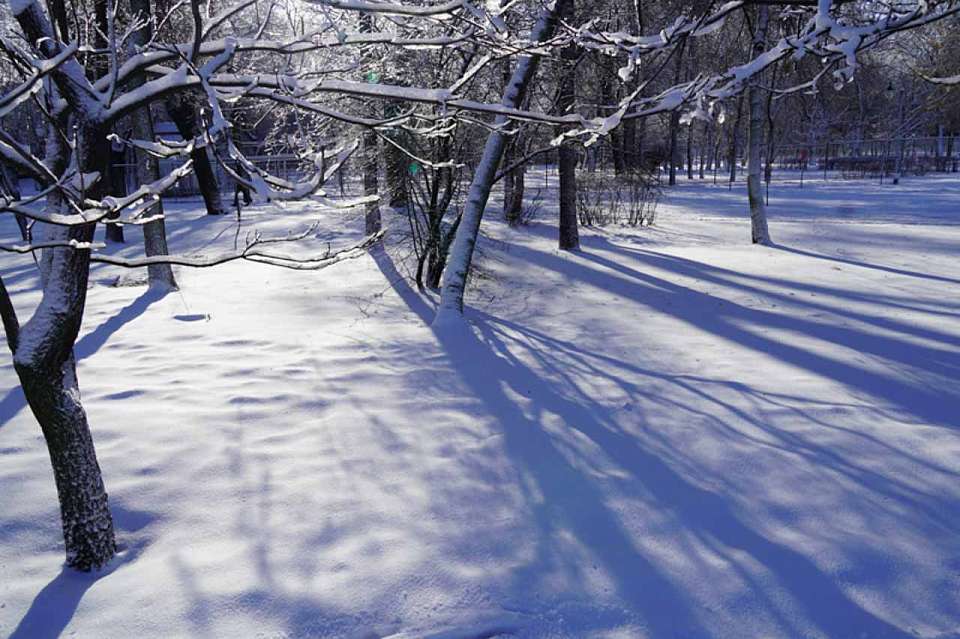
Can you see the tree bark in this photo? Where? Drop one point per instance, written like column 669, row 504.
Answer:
column 569, row 239
column 675, row 120
column 608, row 98
column 395, row 159
column 184, row 116
column 735, row 142
column 54, row 397
column 96, row 69
column 515, row 180
column 369, row 152
column 455, row 274
column 148, row 168
column 759, row 232
column 43, row 347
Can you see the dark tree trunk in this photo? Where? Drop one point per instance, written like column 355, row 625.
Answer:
column 759, row 232
column 395, row 159
column 630, row 144
column 513, row 203
column 54, row 397
column 44, row 362
column 113, row 232
column 675, row 121
column 184, row 116
column 705, row 144
column 370, row 151
column 608, row 98
column 396, row 162
column 514, row 180
column 672, row 153
column 735, row 141
column 569, row 233
column 148, row 168
column 43, row 348
column 641, row 139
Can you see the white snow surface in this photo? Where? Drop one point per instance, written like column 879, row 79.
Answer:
column 672, row 434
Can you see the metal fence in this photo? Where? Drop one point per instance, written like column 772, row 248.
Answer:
column 283, row 165
column 873, row 158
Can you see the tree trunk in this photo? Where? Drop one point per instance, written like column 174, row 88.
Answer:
column 154, row 232
column 569, row 234
column 44, row 361
column 369, row 151
column 759, row 232
column 461, row 254
column 673, row 160
column 148, row 168
column 54, row 397
column 184, row 116
column 675, row 121
column 630, row 143
column 735, row 142
column 609, row 100
column 371, row 185
column 396, row 162
column 395, row 159
column 514, row 180
column 43, row 347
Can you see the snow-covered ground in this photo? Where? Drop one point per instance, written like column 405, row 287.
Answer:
column 672, row 434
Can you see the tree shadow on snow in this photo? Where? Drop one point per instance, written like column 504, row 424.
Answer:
column 876, row 267
column 921, row 389
column 565, row 499
column 55, row 605
column 14, row 401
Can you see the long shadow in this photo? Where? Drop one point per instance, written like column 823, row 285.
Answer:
column 728, row 277
column 55, row 605
column 570, row 503
column 557, row 357
column 868, row 265
column 564, row 500
column 705, row 513
column 414, row 301
column 727, row 319
column 14, row 401
column 885, row 346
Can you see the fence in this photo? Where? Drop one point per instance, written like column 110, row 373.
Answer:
column 874, row 158
column 283, row 165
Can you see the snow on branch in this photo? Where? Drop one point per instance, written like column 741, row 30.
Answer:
column 253, row 251
column 950, row 81
column 836, row 43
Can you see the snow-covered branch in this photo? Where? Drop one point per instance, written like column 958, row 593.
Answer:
column 253, row 251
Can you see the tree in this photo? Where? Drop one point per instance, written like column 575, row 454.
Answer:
column 82, row 111
column 254, row 64
column 835, row 40
column 569, row 234
column 455, row 275
column 759, row 233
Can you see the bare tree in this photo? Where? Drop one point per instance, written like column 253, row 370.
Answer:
column 759, row 232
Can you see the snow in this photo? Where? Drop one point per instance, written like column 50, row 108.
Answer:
column 669, row 434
